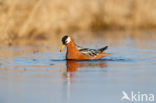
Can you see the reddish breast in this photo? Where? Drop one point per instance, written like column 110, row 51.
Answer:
column 73, row 52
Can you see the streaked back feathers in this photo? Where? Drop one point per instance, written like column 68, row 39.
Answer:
column 91, row 52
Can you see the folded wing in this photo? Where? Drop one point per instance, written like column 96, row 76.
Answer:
column 91, row 52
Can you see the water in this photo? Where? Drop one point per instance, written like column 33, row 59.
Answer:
column 29, row 74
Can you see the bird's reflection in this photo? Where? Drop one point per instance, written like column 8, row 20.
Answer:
column 74, row 66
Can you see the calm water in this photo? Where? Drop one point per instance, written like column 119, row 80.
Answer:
column 31, row 75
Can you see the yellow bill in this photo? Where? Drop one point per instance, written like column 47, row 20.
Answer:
column 62, row 47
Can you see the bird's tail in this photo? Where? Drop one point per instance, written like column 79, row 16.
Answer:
column 104, row 48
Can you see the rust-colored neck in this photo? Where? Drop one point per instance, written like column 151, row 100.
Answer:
column 72, row 50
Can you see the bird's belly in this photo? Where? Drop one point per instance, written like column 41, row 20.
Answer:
column 77, row 56
column 80, row 56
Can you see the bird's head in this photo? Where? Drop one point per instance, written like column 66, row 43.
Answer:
column 65, row 40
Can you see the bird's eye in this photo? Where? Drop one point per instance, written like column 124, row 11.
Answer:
column 67, row 40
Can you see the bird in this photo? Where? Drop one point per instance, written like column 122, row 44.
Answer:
column 75, row 52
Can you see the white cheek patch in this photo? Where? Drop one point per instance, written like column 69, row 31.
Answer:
column 68, row 39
